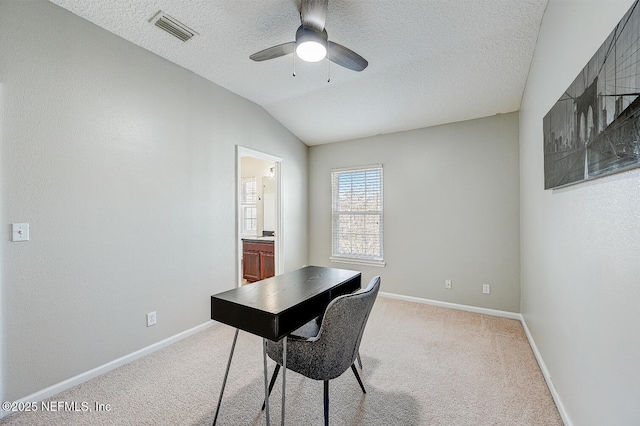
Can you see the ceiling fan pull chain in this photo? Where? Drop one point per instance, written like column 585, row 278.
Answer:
column 294, row 64
column 328, row 68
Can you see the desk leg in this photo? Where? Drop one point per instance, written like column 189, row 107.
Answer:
column 266, row 382
column 284, row 373
column 226, row 374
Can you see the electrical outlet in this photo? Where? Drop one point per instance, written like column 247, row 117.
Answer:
column 151, row 318
column 447, row 283
column 486, row 288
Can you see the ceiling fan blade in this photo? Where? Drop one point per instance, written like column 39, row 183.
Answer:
column 313, row 14
column 346, row 57
column 274, row 52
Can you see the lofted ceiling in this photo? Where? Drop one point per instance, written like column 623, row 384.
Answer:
column 430, row 61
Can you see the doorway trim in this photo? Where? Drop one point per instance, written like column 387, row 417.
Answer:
column 242, row 151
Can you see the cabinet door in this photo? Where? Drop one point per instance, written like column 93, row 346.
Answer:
column 267, row 265
column 251, row 266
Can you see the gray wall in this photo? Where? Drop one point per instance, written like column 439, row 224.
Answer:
column 451, row 209
column 124, row 165
column 580, row 244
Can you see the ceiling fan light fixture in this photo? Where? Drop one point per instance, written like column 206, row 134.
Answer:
column 311, row 46
column 311, row 51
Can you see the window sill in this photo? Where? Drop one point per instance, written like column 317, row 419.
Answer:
column 377, row 263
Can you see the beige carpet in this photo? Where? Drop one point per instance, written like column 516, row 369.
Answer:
column 423, row 365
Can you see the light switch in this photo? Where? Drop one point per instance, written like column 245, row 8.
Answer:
column 20, row 232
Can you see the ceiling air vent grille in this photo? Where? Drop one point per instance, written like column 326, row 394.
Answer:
column 172, row 26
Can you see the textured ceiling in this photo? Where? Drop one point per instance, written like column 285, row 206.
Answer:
column 430, row 61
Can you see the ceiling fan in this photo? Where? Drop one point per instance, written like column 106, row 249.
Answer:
column 312, row 42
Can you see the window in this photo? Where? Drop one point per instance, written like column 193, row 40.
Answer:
column 249, row 193
column 249, row 219
column 249, row 198
column 357, row 218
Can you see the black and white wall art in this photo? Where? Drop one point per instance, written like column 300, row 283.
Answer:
column 593, row 130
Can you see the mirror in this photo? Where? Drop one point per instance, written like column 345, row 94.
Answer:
column 269, row 205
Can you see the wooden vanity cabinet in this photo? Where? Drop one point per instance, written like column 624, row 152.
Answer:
column 258, row 260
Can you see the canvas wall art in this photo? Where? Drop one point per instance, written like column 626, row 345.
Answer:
column 593, row 130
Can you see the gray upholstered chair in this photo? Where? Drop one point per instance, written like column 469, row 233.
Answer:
column 325, row 348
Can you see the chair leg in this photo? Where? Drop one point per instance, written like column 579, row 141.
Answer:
column 326, row 403
column 273, row 381
column 353, row 368
column 359, row 360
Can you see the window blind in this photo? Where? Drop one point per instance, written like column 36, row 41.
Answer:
column 357, row 215
column 249, row 192
column 250, row 219
column 248, row 199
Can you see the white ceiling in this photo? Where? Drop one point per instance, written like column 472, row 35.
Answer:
column 430, row 61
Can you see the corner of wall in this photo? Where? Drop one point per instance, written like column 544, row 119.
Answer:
column 545, row 373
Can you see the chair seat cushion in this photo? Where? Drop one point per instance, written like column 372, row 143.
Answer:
column 308, row 330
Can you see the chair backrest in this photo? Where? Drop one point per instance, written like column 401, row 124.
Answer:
column 341, row 331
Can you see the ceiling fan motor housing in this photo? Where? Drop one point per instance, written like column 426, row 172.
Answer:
column 311, row 36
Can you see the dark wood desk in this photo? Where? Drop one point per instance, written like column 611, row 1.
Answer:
column 275, row 307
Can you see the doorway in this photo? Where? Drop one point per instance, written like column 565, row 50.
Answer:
column 259, row 215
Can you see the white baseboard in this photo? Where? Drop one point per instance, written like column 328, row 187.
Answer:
column 547, row 376
column 468, row 308
column 504, row 314
column 88, row 375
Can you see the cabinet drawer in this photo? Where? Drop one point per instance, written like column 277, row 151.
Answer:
column 266, row 247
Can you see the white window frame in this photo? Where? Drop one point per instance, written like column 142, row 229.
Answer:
column 352, row 211
column 249, row 201
column 249, row 217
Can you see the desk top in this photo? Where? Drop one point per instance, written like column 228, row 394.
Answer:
column 276, row 306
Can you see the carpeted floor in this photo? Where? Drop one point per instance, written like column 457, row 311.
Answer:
column 423, row 365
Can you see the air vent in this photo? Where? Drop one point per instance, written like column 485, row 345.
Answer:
column 172, row 26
